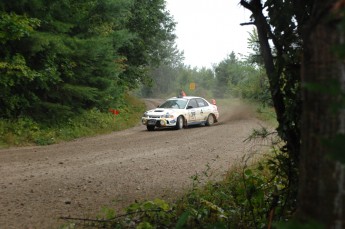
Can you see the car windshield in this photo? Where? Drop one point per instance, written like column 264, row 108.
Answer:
column 174, row 103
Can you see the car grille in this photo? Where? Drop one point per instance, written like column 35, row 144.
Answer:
column 154, row 116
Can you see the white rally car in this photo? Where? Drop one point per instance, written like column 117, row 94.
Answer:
column 179, row 112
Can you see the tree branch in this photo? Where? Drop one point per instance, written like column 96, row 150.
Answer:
column 114, row 218
column 245, row 4
column 247, row 23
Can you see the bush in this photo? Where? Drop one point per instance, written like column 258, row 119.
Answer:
column 26, row 131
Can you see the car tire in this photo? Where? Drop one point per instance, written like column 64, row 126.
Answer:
column 210, row 120
column 150, row 128
column 179, row 123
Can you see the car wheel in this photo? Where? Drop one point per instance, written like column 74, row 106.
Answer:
column 179, row 123
column 210, row 120
column 150, row 128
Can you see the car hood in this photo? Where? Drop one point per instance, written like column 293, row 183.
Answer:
column 163, row 111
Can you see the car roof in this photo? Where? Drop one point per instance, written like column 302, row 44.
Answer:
column 185, row 97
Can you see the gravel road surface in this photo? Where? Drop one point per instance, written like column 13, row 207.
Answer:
column 76, row 179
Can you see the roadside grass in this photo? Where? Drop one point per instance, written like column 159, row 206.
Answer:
column 267, row 114
column 25, row 131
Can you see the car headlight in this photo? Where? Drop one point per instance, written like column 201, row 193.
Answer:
column 145, row 115
column 168, row 115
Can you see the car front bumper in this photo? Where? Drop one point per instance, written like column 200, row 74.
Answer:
column 159, row 122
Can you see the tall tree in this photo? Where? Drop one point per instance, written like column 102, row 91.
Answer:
column 322, row 169
column 83, row 53
column 226, row 73
column 281, row 63
column 163, row 79
column 72, row 55
column 279, row 32
column 314, row 28
column 15, row 74
column 152, row 28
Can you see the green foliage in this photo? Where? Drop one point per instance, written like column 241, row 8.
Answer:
column 59, row 59
column 152, row 214
column 163, row 82
column 152, row 27
column 293, row 224
column 15, row 77
column 242, row 200
column 242, row 79
column 254, row 45
column 18, row 132
column 26, row 131
column 226, row 73
column 144, row 215
column 266, row 114
column 14, row 27
column 253, row 86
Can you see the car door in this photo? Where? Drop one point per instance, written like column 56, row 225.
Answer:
column 203, row 109
column 192, row 111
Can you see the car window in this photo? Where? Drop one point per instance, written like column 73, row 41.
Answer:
column 192, row 103
column 201, row 102
column 174, row 103
column 181, row 103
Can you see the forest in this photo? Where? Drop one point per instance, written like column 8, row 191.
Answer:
column 71, row 60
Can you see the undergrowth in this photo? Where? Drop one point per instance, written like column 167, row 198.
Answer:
column 26, row 131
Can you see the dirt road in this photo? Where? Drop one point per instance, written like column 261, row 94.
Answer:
column 40, row 184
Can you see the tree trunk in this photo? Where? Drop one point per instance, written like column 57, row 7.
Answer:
column 322, row 179
column 273, row 72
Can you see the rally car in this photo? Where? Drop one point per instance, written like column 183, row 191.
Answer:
column 180, row 112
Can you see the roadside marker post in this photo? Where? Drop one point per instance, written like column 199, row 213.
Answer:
column 115, row 112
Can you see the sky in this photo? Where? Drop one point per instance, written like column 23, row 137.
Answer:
column 209, row 30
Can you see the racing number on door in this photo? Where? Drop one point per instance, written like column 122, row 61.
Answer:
column 192, row 115
column 192, row 111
